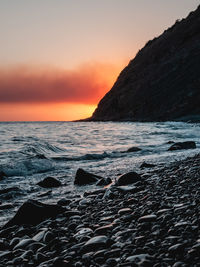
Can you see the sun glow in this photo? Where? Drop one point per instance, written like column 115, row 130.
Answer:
column 28, row 93
column 45, row 112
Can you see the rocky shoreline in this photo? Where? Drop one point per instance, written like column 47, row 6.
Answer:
column 152, row 222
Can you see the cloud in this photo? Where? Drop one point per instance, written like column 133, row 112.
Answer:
column 28, row 84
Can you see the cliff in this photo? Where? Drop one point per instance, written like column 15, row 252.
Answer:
column 162, row 82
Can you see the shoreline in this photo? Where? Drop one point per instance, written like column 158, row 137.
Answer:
column 186, row 119
column 152, row 222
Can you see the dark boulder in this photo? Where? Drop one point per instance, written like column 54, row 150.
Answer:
column 2, row 175
column 49, row 182
column 170, row 142
column 182, row 145
column 83, row 178
column 33, row 212
column 104, row 181
column 128, row 178
column 147, row 165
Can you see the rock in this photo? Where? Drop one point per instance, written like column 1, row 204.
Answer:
column 148, row 218
column 2, row 175
column 6, row 206
column 5, row 254
column 128, row 178
column 181, row 224
column 178, row 264
column 163, row 211
column 14, row 241
column 78, row 264
column 104, row 181
column 176, row 249
column 128, row 189
column 95, row 243
column 94, row 192
column 124, row 211
column 39, row 236
column 183, row 145
column 138, row 258
column 170, row 142
column 195, row 250
column 49, row 182
column 48, row 237
column 111, row 262
column 71, row 213
column 132, row 149
column 40, row 257
column 147, row 165
column 27, row 254
column 104, row 229
column 59, row 262
column 64, row 202
column 33, row 212
column 23, row 243
column 8, row 190
column 83, row 232
column 83, row 178
column 84, row 202
column 3, row 245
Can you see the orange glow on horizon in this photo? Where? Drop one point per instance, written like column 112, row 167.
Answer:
column 45, row 112
column 36, row 94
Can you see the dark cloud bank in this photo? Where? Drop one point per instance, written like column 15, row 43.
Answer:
column 86, row 84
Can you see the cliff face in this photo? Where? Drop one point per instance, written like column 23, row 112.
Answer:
column 162, row 82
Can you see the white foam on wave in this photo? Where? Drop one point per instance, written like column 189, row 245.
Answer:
column 27, row 167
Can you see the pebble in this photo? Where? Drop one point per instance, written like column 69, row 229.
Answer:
column 177, row 248
column 139, row 257
column 104, row 229
column 48, row 236
column 148, row 218
column 64, row 202
column 39, row 237
column 124, row 211
column 95, row 243
column 83, row 232
column 23, row 243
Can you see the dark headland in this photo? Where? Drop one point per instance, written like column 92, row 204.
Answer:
column 162, row 82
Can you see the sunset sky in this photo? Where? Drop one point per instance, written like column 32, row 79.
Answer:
column 59, row 57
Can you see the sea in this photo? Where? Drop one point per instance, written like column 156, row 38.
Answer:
column 31, row 151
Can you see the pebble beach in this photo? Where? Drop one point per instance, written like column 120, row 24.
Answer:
column 152, row 222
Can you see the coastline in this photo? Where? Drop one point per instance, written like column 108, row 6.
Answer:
column 152, row 222
column 187, row 119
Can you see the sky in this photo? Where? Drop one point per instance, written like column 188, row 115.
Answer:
column 58, row 58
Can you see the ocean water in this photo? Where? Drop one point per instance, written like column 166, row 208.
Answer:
column 31, row 151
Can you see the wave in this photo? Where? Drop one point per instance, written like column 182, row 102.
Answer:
column 27, row 167
column 92, row 156
column 37, row 149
